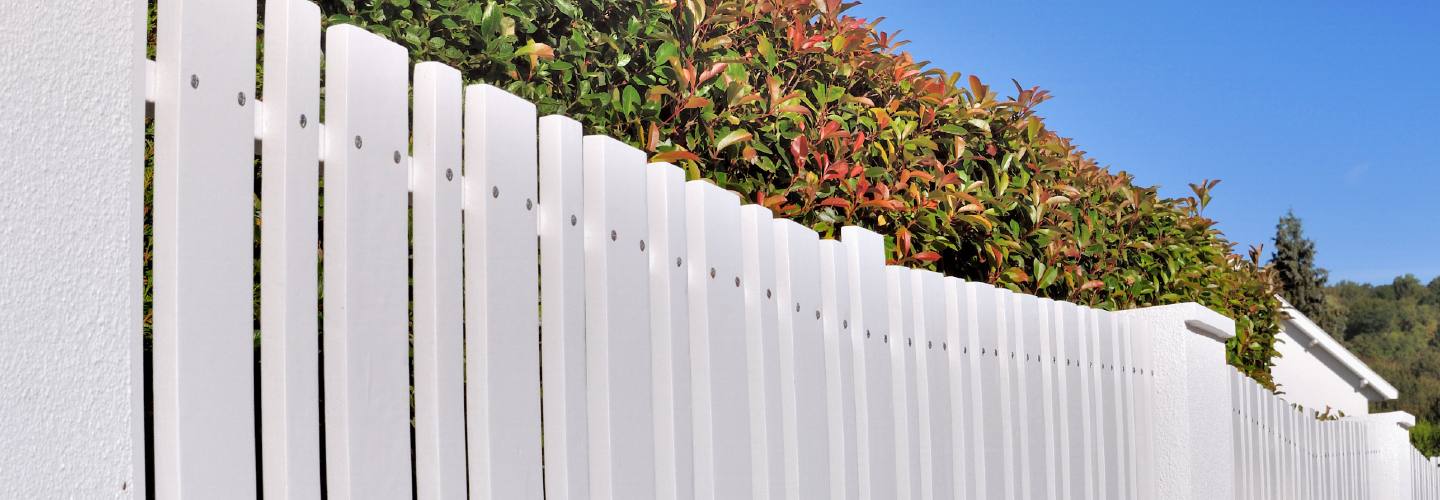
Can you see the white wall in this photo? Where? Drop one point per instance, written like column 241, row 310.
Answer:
column 70, row 219
column 1312, row 378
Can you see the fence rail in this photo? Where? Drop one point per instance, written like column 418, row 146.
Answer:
column 692, row 346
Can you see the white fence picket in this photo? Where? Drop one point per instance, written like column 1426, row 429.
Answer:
column 439, row 301
column 991, row 442
column 936, row 421
column 719, row 376
column 1013, row 424
column 840, row 345
column 367, row 411
column 617, row 319
column 903, row 319
column 803, row 372
column 502, row 295
column 874, row 399
column 1028, row 360
column 562, row 289
column 670, row 332
column 757, row 239
column 204, row 167
column 290, row 206
column 1066, row 442
column 954, row 344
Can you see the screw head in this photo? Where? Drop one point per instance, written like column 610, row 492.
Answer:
column 642, row 245
column 613, row 235
column 712, row 273
column 529, row 204
column 397, row 156
column 817, row 314
column 194, row 81
column 737, row 281
column 867, row 333
column 303, row 121
column 494, row 191
column 359, row 142
column 797, row 307
column 240, row 98
column 767, row 293
column 449, row 174
column 845, row 323
column 574, row 220
column 677, row 262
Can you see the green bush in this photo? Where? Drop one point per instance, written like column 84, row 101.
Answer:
column 820, row 117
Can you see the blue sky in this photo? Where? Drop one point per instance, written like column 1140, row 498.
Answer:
column 1328, row 108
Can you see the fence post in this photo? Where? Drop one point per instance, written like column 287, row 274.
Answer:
column 1387, row 454
column 73, row 204
column 1191, row 401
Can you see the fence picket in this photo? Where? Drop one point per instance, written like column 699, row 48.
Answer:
column 840, row 344
column 874, row 398
column 803, row 371
column 962, row 413
column 669, row 332
column 617, row 320
column 367, row 417
column 757, row 238
column 903, row 323
column 203, row 340
column 721, row 384
column 937, row 422
column 562, row 289
column 502, row 293
column 439, row 302
column 289, row 191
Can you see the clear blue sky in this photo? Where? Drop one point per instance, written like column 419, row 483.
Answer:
column 1328, row 108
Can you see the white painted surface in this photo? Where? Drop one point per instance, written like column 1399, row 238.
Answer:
column 203, row 351
column 439, row 336
column 501, row 296
column 617, row 322
column 1312, row 377
column 562, row 289
column 670, row 332
column 70, row 240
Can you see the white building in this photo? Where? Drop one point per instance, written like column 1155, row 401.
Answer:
column 1316, row 372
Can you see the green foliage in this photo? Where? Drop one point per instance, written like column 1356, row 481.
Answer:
column 819, row 116
column 1301, row 282
column 1395, row 329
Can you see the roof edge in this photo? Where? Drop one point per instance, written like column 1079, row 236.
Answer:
column 1369, row 380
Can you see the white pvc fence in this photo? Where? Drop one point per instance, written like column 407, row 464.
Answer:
column 691, row 347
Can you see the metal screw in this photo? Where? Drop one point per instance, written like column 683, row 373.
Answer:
column 449, row 174
column 677, row 262
column 867, row 334
column 642, row 245
column 885, row 338
column 574, row 220
column 613, row 235
column 845, row 324
column 240, row 98
column 529, row 204
column 495, row 191
column 358, row 142
column 194, row 81
column 767, row 295
column 929, row 344
column 712, row 273
column 397, row 156
column 817, row 314
column 737, row 281
column 303, row 121
column 797, row 307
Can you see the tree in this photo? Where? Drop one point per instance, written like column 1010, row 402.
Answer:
column 1301, row 281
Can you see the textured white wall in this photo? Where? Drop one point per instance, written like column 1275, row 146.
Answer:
column 71, row 92
column 1311, row 378
column 1191, row 416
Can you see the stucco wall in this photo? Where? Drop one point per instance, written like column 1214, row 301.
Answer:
column 1311, row 378
column 69, row 245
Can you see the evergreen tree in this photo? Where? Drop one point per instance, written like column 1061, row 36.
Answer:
column 1302, row 283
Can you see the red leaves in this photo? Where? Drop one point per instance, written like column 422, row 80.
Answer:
column 800, row 151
